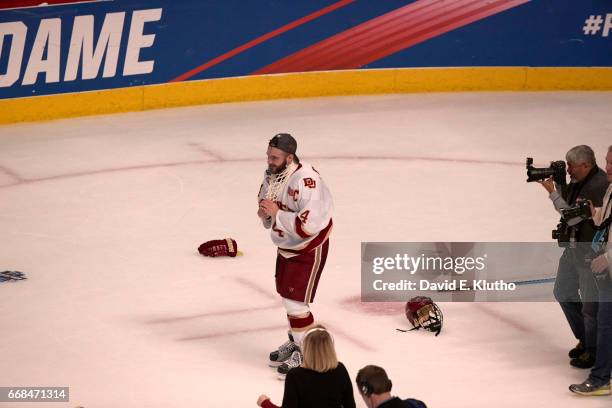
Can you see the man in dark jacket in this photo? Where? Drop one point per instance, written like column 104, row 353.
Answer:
column 375, row 389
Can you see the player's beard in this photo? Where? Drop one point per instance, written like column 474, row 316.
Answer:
column 278, row 169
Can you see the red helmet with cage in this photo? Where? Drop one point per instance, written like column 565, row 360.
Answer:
column 421, row 311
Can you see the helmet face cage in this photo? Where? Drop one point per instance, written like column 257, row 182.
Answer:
column 423, row 312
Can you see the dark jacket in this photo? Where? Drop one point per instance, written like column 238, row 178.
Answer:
column 395, row 402
column 592, row 188
column 306, row 388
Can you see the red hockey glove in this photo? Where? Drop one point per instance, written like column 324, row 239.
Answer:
column 219, row 247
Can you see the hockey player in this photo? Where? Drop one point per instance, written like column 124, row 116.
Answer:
column 296, row 205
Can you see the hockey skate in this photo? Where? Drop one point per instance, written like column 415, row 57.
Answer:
column 283, row 353
column 292, row 362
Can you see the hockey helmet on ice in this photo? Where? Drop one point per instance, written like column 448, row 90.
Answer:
column 421, row 311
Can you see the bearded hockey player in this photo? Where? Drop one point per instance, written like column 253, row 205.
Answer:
column 296, row 206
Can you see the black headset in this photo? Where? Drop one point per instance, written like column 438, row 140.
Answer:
column 365, row 388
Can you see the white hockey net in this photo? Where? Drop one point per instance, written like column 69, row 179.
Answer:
column 278, row 182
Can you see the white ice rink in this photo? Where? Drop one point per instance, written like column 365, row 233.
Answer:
column 104, row 215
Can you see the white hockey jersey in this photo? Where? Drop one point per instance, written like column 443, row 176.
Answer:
column 304, row 220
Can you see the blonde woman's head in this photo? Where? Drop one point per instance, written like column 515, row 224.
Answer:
column 318, row 349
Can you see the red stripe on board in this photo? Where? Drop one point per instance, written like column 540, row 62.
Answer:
column 457, row 17
column 388, row 34
column 261, row 39
column 357, row 32
column 401, row 25
column 6, row 4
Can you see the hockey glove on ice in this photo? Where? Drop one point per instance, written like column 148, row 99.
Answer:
column 219, row 247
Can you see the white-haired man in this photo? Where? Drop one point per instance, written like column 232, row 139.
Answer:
column 575, row 288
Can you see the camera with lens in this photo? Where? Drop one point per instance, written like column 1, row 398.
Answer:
column 556, row 170
column 581, row 209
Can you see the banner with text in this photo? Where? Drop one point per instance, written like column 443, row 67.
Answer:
column 74, row 46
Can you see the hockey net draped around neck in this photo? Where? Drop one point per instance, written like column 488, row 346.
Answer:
column 278, row 182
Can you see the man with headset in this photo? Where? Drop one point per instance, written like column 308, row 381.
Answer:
column 375, row 389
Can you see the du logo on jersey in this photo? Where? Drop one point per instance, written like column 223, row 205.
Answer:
column 33, row 54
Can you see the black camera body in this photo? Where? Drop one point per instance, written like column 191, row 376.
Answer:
column 563, row 234
column 581, row 209
column 556, row 170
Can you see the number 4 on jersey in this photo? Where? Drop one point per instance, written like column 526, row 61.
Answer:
column 304, row 216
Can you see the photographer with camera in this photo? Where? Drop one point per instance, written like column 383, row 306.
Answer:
column 575, row 287
column 598, row 382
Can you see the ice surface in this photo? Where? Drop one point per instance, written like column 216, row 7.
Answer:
column 104, row 215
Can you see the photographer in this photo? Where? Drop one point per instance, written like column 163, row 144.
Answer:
column 598, row 382
column 575, row 288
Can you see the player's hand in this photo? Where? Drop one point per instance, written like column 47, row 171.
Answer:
column 261, row 399
column 269, row 208
column 599, row 264
column 260, row 211
column 548, row 184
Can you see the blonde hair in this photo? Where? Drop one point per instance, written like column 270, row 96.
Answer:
column 319, row 351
